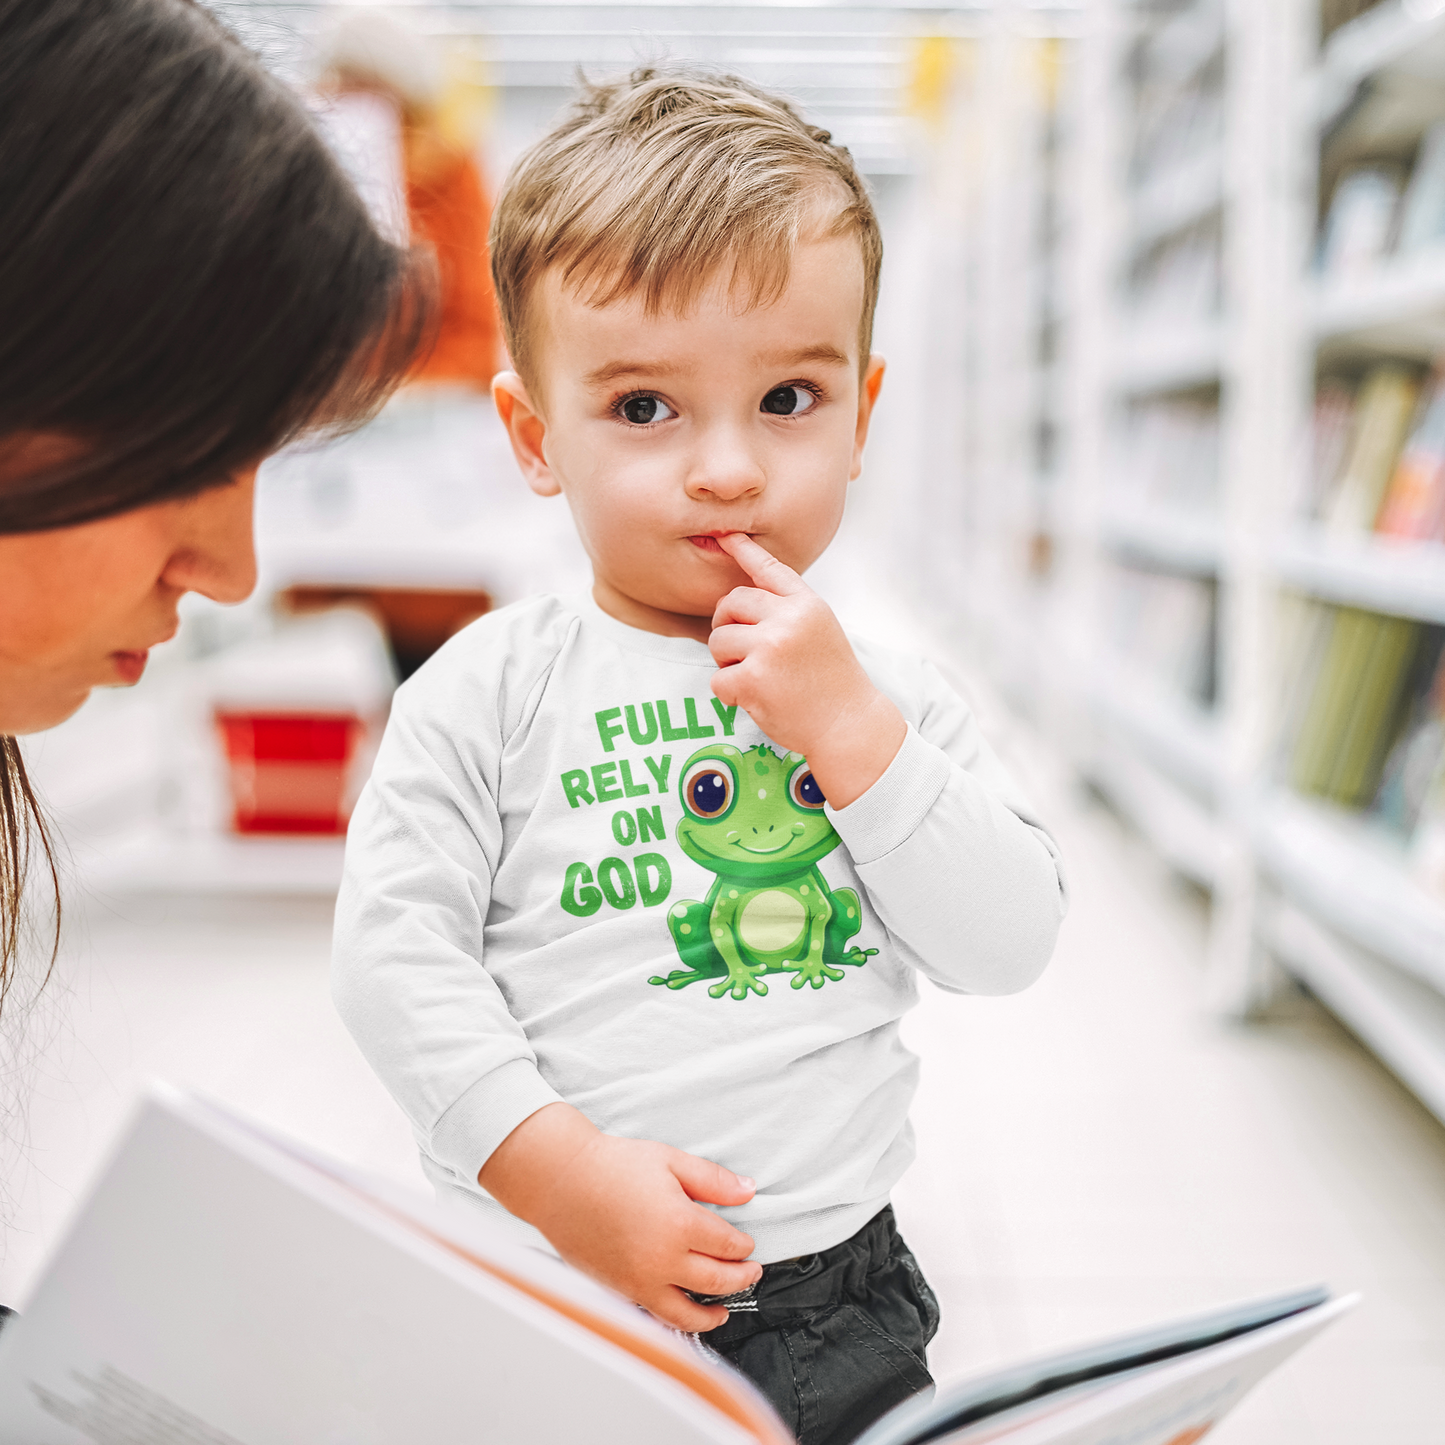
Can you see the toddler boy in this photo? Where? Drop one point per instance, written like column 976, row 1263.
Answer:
column 642, row 881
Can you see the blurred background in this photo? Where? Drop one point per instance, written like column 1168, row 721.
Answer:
column 1159, row 476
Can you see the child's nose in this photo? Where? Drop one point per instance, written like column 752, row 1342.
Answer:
column 725, row 470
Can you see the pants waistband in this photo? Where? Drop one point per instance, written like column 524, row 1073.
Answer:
column 814, row 1281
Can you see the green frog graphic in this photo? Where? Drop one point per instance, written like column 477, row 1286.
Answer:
column 756, row 819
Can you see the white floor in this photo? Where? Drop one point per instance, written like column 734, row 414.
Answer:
column 1093, row 1154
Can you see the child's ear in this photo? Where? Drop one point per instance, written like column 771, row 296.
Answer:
column 527, row 430
column 867, row 399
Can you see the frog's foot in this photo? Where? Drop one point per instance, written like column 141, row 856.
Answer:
column 815, row 968
column 681, row 977
column 742, row 979
column 687, row 922
column 816, row 974
column 847, row 919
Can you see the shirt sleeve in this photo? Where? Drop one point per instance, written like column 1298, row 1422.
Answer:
column 957, row 867
column 407, row 972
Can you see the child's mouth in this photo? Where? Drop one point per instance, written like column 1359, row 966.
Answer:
column 708, row 542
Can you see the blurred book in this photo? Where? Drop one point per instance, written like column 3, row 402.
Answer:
column 1330, row 426
column 1354, row 712
column 1414, row 502
column 223, row 1285
column 1411, row 800
column 1422, row 212
column 1359, row 227
column 1415, row 758
column 1181, row 279
column 1169, row 455
column 1178, row 74
column 1304, row 628
column 1335, row 13
column 1427, row 842
column 1384, row 408
column 1163, row 626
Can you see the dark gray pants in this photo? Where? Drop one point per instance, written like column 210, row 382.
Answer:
column 835, row 1339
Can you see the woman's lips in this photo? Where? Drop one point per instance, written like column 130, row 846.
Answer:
column 130, row 665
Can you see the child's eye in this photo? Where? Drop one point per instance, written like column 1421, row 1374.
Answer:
column 788, row 401
column 643, row 410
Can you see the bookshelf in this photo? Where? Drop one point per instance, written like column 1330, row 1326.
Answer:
column 1174, row 540
column 1381, row 574
column 1167, row 189
column 1161, row 359
column 1226, row 210
column 1340, row 906
column 1398, row 310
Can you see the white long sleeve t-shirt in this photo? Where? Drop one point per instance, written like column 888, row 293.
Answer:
column 574, row 875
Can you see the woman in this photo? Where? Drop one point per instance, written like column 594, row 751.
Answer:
column 187, row 281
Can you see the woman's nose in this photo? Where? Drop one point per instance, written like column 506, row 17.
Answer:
column 215, row 553
column 725, row 470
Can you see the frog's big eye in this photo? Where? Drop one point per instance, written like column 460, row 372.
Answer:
column 708, row 789
column 803, row 789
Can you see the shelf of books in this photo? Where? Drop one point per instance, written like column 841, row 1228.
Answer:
column 1398, row 576
column 1231, row 607
column 987, row 535
column 1349, row 837
column 1141, row 582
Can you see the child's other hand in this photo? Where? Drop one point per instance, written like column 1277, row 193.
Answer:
column 786, row 662
column 623, row 1211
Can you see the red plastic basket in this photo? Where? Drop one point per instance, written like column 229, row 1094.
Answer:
column 289, row 771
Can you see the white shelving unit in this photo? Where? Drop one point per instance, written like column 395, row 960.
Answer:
column 1171, row 538
column 1154, row 359
column 1379, row 574
column 1297, row 885
column 997, row 304
column 1340, row 909
column 1397, row 310
column 1173, row 762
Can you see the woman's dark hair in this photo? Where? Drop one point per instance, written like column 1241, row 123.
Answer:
column 21, row 827
column 187, row 281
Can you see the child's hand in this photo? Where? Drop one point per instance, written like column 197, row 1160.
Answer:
column 623, row 1211
column 787, row 663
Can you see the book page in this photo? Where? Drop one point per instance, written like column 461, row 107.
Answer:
column 1175, row 1401
column 211, row 1291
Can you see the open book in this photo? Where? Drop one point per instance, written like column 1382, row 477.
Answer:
column 224, row 1287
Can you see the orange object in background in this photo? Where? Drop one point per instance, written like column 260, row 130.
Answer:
column 289, row 773
column 438, row 91
column 448, row 208
column 416, row 620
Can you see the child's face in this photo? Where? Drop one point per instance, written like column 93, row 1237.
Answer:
column 666, row 431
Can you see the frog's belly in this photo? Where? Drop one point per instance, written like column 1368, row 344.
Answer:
column 772, row 921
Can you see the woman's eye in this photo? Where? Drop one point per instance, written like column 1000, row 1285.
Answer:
column 788, row 401
column 642, row 410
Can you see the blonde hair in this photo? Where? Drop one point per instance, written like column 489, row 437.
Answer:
column 654, row 184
